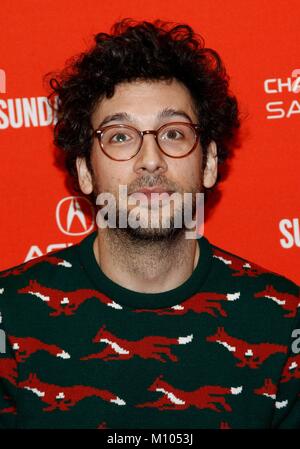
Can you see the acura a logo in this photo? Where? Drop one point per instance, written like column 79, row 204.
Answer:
column 75, row 215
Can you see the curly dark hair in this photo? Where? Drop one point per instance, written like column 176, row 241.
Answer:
column 142, row 51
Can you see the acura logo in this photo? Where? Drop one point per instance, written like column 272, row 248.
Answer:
column 75, row 215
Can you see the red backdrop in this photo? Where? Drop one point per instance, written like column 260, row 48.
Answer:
column 258, row 215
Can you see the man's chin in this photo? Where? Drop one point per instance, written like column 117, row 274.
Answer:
column 142, row 234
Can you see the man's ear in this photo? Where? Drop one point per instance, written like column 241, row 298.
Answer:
column 211, row 167
column 84, row 176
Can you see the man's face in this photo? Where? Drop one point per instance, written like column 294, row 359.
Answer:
column 143, row 101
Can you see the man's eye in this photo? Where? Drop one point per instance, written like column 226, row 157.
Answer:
column 172, row 134
column 119, row 138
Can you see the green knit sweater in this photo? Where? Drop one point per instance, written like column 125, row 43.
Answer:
column 220, row 351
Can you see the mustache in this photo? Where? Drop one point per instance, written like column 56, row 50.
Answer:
column 152, row 181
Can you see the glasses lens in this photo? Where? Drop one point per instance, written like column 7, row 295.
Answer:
column 177, row 139
column 120, row 142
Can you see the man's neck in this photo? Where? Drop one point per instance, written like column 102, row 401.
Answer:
column 144, row 266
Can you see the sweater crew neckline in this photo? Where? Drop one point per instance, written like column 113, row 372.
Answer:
column 131, row 298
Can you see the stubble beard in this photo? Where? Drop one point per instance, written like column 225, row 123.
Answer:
column 165, row 230
column 147, row 249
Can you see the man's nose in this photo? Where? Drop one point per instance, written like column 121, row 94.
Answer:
column 150, row 158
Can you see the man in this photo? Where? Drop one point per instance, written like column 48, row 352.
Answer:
column 139, row 326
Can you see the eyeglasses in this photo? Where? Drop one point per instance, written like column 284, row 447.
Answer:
column 123, row 142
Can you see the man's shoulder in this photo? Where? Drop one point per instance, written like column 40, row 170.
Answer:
column 265, row 304
column 240, row 267
column 63, row 259
column 47, row 280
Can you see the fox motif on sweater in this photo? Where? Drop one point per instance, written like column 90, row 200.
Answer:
column 65, row 302
column 248, row 354
column 203, row 397
column 150, row 347
column 24, row 347
column 62, row 398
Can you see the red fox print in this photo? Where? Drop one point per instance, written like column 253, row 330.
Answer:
column 8, row 370
column 207, row 397
column 11, row 409
column 206, row 302
column 224, row 425
column 63, row 398
column 240, row 267
column 288, row 302
column 65, row 302
column 25, row 346
column 53, row 260
column 291, row 369
column 249, row 354
column 269, row 389
column 152, row 347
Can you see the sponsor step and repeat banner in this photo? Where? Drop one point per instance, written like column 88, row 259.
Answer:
column 257, row 211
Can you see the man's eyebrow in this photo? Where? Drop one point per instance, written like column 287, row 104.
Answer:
column 119, row 116
column 170, row 112
column 125, row 117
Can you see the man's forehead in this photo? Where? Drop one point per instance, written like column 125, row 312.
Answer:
column 146, row 99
